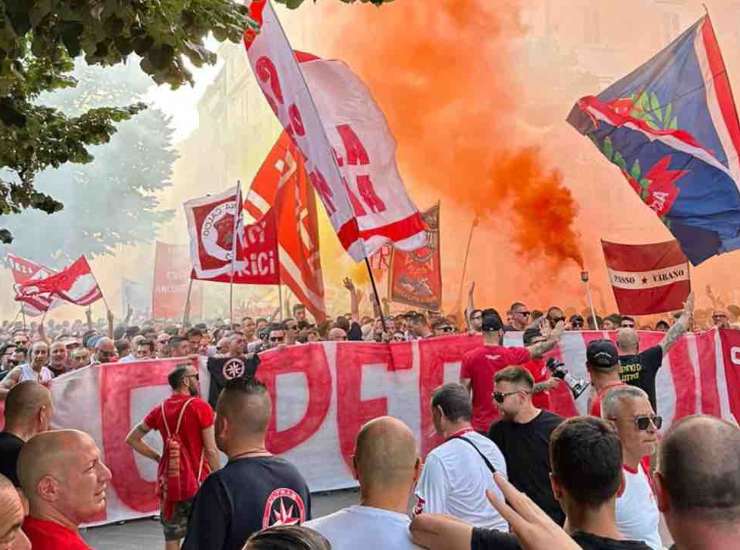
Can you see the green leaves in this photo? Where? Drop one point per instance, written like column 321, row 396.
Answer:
column 647, row 107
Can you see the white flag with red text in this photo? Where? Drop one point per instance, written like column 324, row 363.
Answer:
column 75, row 284
column 349, row 149
column 24, row 270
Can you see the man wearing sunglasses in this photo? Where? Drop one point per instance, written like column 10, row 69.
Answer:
column 519, row 317
column 629, row 410
column 481, row 364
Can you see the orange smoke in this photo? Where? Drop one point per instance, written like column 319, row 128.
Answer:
column 442, row 73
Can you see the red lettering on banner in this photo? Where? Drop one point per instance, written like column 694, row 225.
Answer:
column 117, row 383
column 267, row 73
column 339, row 159
column 311, row 361
column 356, row 152
column 296, row 121
column 352, row 411
column 367, row 192
column 357, row 207
column 433, row 354
column 322, row 188
column 730, row 340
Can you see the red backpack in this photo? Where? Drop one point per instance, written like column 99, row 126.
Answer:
column 176, row 476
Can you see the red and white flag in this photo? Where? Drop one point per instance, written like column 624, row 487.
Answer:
column 24, row 270
column 647, row 278
column 348, row 147
column 217, row 233
column 75, row 284
column 281, row 187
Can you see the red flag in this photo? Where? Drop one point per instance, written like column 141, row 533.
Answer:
column 24, row 270
column 416, row 277
column 648, row 278
column 281, row 186
column 75, row 284
column 171, row 280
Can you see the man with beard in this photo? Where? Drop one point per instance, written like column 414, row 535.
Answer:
column 190, row 417
column 58, row 358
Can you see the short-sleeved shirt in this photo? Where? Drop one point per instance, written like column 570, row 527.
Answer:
column 596, row 402
column 245, row 496
column 480, row 366
column 198, row 416
column 50, row 535
column 10, row 448
column 641, row 370
column 538, row 369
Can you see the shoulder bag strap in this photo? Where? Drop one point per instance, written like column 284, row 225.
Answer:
column 477, row 450
column 182, row 412
column 164, row 420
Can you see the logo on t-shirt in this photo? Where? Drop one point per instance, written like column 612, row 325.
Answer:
column 419, row 508
column 493, row 357
column 233, row 368
column 283, row 507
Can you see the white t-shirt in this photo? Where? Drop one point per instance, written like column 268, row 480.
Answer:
column 27, row 373
column 637, row 511
column 455, row 478
column 365, row 527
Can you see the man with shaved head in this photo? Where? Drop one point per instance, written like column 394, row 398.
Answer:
column 698, row 483
column 640, row 368
column 105, row 351
column 65, row 480
column 28, row 411
column 36, row 370
column 11, row 518
column 387, row 466
column 255, row 489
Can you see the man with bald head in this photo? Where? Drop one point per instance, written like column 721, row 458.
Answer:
column 58, row 363
column 36, row 370
column 105, row 351
column 255, row 489
column 640, row 368
column 63, row 476
column 387, row 466
column 11, row 518
column 698, row 483
column 28, row 411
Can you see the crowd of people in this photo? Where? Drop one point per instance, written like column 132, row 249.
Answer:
column 510, row 473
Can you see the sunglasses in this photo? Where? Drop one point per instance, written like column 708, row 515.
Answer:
column 525, row 313
column 577, row 323
column 643, row 422
column 628, row 325
column 557, row 319
column 446, row 329
column 499, row 397
column 277, row 338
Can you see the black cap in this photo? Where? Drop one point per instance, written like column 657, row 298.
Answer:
column 530, row 334
column 491, row 320
column 602, row 354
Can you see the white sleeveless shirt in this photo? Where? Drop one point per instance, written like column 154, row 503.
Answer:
column 27, row 373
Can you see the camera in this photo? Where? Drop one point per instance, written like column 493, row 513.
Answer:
column 557, row 368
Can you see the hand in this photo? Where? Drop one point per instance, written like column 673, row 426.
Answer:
column 688, row 306
column 348, row 284
column 551, row 383
column 557, row 332
column 438, row 532
column 533, row 527
column 544, row 327
column 471, row 290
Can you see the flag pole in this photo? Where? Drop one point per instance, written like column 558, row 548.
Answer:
column 584, row 278
column 23, row 312
column 237, row 217
column 280, row 300
column 186, row 313
column 465, row 263
column 375, row 293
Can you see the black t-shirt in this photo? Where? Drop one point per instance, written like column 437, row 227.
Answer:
column 355, row 332
column 525, row 448
column 223, row 369
column 245, row 496
column 10, row 448
column 490, row 539
column 640, row 370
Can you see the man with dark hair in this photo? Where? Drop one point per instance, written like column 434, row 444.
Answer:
column 419, row 326
column 627, row 322
column 195, row 337
column 474, row 321
column 28, row 411
column 190, row 417
column 299, row 312
column 586, row 459
column 602, row 364
column 481, row 364
column 442, row 327
column 640, row 368
column 144, row 350
column 523, row 435
column 555, row 315
column 698, row 483
column 255, row 489
column 457, row 472
column 519, row 317
column 537, row 367
column 180, row 347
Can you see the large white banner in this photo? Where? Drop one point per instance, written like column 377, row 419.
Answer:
column 323, row 393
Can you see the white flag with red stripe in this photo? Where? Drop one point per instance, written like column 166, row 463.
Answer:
column 24, row 270
column 349, row 149
column 75, row 284
column 647, row 278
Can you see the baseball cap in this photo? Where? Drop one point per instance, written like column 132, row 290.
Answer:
column 491, row 320
column 602, row 354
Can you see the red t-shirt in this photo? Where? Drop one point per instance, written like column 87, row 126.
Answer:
column 538, row 369
column 198, row 416
column 49, row 535
column 596, row 403
column 480, row 366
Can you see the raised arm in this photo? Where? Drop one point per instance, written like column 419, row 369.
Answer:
column 538, row 349
column 680, row 326
column 354, row 302
column 471, row 304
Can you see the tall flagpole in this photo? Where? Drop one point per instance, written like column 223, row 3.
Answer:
column 237, row 219
column 186, row 313
column 375, row 293
column 584, row 278
column 465, row 261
